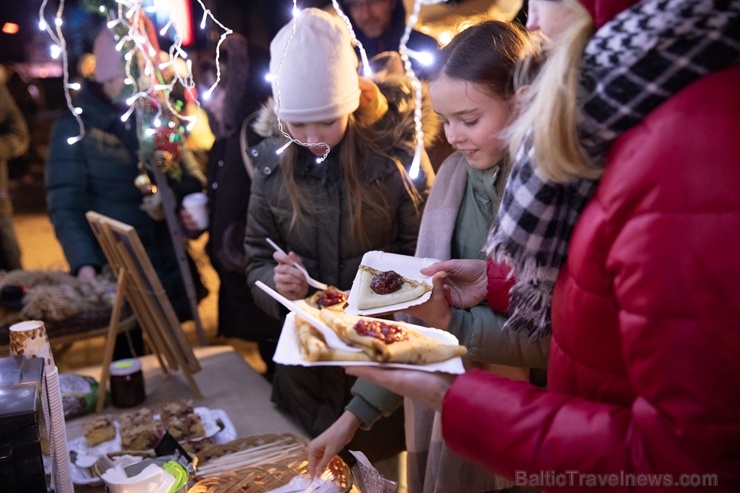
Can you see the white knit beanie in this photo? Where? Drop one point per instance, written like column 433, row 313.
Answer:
column 317, row 73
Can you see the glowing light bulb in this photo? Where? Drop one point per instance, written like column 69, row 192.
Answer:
column 78, row 110
column 283, row 147
column 157, row 122
column 55, row 51
column 296, row 11
column 58, row 21
column 445, row 37
column 269, row 77
column 42, row 25
column 75, row 86
column 73, row 140
column 163, row 31
column 149, row 132
column 126, row 115
column 102, row 9
column 423, row 57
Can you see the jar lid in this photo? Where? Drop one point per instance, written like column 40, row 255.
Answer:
column 124, row 367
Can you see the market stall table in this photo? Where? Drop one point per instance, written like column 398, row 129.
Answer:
column 226, row 381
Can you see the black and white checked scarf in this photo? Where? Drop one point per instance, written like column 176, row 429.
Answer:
column 631, row 65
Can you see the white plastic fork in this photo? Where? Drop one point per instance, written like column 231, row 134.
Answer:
column 311, row 281
column 331, row 337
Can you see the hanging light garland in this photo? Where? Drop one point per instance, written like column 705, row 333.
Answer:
column 160, row 119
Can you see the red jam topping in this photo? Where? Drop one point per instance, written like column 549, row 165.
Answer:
column 381, row 330
column 331, row 298
column 386, row 282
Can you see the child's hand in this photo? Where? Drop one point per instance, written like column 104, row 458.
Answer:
column 289, row 281
column 435, row 311
column 330, row 442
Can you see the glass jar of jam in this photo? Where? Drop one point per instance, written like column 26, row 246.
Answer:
column 126, row 383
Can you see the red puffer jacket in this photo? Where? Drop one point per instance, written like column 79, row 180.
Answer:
column 644, row 376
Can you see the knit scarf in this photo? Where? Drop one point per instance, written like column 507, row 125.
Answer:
column 631, row 65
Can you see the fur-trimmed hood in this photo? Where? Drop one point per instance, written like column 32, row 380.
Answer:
column 399, row 93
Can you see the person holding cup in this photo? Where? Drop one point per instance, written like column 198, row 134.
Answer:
column 222, row 209
column 195, row 206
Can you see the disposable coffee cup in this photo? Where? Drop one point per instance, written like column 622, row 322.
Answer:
column 197, row 205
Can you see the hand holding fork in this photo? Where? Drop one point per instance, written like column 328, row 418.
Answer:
column 311, row 282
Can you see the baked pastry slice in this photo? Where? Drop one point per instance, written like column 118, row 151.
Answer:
column 99, row 429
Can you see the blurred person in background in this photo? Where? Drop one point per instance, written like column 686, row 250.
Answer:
column 379, row 25
column 14, row 141
column 19, row 167
column 230, row 111
column 99, row 173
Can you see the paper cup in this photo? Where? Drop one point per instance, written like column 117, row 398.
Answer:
column 59, row 453
column 197, row 205
column 29, row 339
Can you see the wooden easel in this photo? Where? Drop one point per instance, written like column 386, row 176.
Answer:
column 138, row 281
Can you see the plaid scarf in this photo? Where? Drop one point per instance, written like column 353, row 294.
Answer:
column 634, row 63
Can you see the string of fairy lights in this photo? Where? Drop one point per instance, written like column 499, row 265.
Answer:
column 151, row 89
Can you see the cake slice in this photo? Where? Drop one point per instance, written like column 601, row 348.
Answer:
column 99, row 429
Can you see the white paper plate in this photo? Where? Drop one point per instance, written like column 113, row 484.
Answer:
column 404, row 265
column 289, row 353
column 209, row 418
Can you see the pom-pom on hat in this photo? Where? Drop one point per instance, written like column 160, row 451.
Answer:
column 315, row 78
column 108, row 61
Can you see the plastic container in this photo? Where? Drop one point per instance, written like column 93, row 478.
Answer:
column 126, row 383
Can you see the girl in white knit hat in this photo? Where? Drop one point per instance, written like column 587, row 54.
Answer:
column 341, row 190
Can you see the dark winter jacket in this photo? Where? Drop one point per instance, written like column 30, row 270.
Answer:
column 323, row 241
column 98, row 174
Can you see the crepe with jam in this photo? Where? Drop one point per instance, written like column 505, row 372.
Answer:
column 386, row 341
column 331, row 298
column 313, row 347
column 385, row 288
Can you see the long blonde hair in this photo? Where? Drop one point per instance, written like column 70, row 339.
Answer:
column 550, row 108
column 361, row 141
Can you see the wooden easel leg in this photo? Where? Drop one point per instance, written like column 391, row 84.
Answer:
column 110, row 340
column 192, row 382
